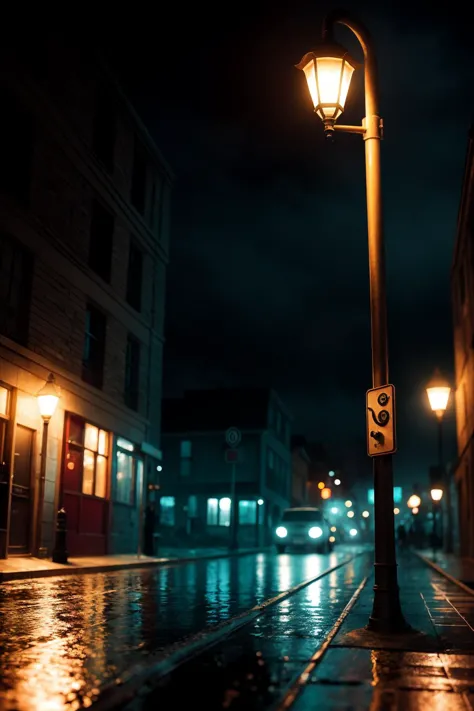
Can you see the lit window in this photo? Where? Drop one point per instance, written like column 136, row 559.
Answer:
column 247, row 513
column 87, row 453
column 127, row 466
column 219, row 511
column 185, row 449
column 4, row 392
column 167, row 507
column 225, row 505
column 212, row 512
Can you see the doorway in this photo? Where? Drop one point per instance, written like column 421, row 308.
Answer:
column 21, row 501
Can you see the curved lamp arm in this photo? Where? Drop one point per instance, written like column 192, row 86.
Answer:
column 370, row 65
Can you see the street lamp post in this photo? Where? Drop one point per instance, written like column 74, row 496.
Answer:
column 47, row 398
column 328, row 71
column 436, row 496
column 438, row 391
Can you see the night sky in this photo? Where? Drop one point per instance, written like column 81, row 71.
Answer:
column 268, row 280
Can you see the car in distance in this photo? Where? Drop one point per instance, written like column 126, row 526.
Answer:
column 303, row 527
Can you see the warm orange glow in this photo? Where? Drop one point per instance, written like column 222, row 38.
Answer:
column 321, row 485
column 438, row 391
column 326, row 493
column 414, row 501
column 415, row 510
column 436, row 494
column 328, row 79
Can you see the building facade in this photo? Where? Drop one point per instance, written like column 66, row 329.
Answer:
column 300, row 462
column 84, row 225
column 196, row 485
column 462, row 293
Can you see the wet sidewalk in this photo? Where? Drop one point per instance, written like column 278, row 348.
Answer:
column 460, row 568
column 24, row 567
column 434, row 669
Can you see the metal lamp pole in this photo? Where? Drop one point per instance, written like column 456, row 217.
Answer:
column 386, row 614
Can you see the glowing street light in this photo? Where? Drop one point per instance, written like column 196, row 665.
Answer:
column 326, row 493
column 328, row 70
column 350, row 514
column 334, row 510
column 321, row 485
column 438, row 391
column 337, row 482
column 396, row 511
column 414, row 501
column 331, row 473
column 348, row 503
column 47, row 399
column 415, row 510
column 365, row 514
column 436, row 494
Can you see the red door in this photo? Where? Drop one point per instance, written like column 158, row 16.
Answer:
column 85, row 487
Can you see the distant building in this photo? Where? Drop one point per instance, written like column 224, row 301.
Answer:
column 84, row 224
column 196, row 481
column 300, row 471
column 462, row 293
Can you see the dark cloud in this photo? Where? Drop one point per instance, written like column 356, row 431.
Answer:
column 268, row 282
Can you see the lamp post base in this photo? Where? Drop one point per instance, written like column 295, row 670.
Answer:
column 387, row 616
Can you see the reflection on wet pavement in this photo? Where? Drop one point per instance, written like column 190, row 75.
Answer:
column 250, row 670
column 62, row 638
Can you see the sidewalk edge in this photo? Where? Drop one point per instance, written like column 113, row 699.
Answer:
column 447, row 575
column 9, row 576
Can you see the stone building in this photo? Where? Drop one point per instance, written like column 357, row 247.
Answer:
column 196, row 484
column 84, row 225
column 462, row 293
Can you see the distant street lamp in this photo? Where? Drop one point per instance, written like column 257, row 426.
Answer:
column 328, row 71
column 436, row 496
column 414, row 501
column 47, row 399
column 365, row 514
column 438, row 391
column 337, row 482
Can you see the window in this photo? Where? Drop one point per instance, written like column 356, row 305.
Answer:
column 303, row 516
column 218, row 512
column 87, row 453
column 247, row 513
column 138, row 182
column 94, row 347
column 16, row 147
column 104, row 129
column 185, row 453
column 101, row 240
column 16, row 278
column 192, row 506
column 185, row 449
column 167, row 509
column 212, row 512
column 271, row 459
column 132, row 373
column 134, row 277
column 128, row 466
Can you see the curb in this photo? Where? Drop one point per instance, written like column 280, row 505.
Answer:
column 445, row 574
column 8, row 576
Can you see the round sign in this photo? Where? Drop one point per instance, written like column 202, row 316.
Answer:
column 233, row 437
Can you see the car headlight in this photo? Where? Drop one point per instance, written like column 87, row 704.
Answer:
column 281, row 532
column 315, row 532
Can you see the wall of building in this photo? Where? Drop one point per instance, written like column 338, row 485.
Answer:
column 54, row 226
column 462, row 289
